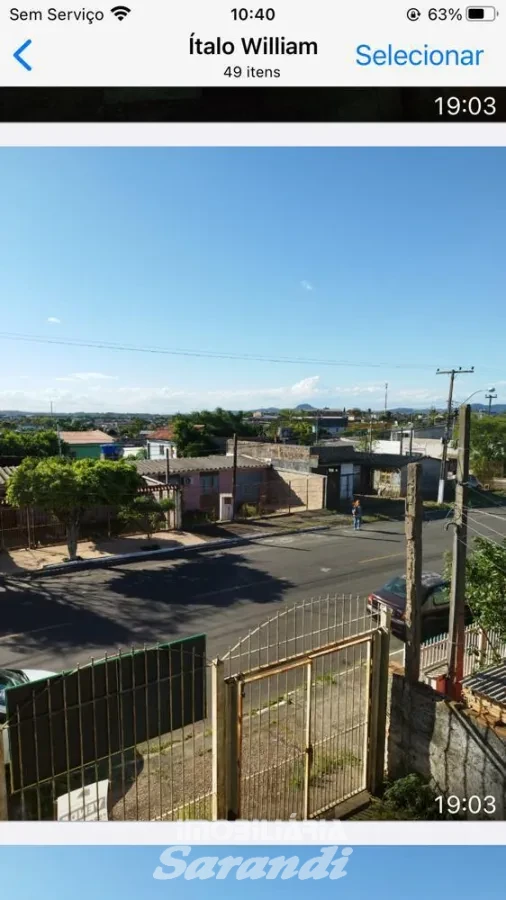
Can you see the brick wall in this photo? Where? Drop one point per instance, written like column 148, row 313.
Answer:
column 294, row 491
column 433, row 737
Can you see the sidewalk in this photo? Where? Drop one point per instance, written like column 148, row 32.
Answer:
column 12, row 561
column 275, row 524
column 110, row 551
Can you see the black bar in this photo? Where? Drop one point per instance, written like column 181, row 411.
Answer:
column 237, row 104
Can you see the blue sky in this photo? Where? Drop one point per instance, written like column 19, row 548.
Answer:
column 57, row 873
column 389, row 259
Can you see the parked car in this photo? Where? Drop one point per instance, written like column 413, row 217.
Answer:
column 13, row 678
column 435, row 604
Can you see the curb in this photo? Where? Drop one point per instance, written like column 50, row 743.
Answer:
column 105, row 562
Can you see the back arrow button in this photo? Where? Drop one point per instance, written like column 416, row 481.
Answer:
column 19, row 58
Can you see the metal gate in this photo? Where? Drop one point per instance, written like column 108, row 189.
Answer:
column 302, row 703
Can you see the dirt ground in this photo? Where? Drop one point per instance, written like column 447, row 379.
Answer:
column 171, row 778
column 13, row 560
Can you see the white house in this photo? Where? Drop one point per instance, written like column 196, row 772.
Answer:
column 161, row 441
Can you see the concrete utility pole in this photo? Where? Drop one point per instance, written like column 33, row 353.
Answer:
column 386, row 397
column 234, row 477
column 414, row 520
column 456, row 635
column 490, row 397
column 442, row 475
column 167, row 467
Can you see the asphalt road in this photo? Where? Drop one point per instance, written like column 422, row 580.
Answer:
column 57, row 622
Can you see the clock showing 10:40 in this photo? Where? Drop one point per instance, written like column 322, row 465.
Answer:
column 474, row 805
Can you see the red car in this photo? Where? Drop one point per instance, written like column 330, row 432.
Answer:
column 435, row 604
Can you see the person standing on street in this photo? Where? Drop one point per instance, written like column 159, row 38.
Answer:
column 356, row 513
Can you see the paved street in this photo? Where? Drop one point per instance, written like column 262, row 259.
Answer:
column 57, row 622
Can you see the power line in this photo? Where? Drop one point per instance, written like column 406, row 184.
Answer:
column 483, row 552
column 484, row 512
column 207, row 354
column 500, row 534
column 487, row 538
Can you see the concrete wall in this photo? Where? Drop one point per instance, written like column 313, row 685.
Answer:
column 431, row 736
column 423, row 446
column 302, row 466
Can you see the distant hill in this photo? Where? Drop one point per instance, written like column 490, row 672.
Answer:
column 496, row 408
column 305, row 406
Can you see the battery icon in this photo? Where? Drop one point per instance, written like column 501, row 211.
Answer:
column 481, row 13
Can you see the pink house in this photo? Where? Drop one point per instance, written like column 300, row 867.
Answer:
column 206, row 482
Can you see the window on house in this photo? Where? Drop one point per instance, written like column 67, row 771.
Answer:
column 161, row 450
column 209, row 484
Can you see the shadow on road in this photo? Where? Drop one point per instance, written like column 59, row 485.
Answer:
column 127, row 607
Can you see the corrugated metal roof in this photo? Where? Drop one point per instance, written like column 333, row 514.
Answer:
column 5, row 474
column 490, row 684
column 86, row 437
column 197, row 464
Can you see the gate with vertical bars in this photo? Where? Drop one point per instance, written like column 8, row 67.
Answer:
column 301, row 702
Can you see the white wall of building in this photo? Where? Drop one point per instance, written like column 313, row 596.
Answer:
column 158, row 449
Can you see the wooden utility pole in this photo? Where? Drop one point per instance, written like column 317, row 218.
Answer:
column 456, row 635
column 412, row 616
column 448, row 427
column 234, row 476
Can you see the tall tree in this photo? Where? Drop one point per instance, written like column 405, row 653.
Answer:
column 65, row 488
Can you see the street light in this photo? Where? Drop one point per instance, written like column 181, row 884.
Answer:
column 479, row 391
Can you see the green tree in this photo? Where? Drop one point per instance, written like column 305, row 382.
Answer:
column 365, row 445
column 146, row 512
column 65, row 488
column 196, row 433
column 302, row 428
column 191, row 441
column 39, row 444
column 488, row 445
column 486, row 584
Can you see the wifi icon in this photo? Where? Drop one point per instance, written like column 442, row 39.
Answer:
column 121, row 12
